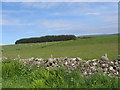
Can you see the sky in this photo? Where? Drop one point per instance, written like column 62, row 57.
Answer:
column 36, row 19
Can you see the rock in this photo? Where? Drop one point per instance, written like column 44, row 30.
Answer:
column 3, row 58
column 31, row 59
column 73, row 59
column 0, row 58
column 38, row 59
column 50, row 60
column 111, row 68
column 104, row 65
column 66, row 63
column 73, row 64
column 78, row 59
column 118, row 57
column 104, row 57
column 105, row 69
column 118, row 68
column 116, row 63
column 94, row 60
column 94, row 63
column 85, row 73
column 111, row 63
column 117, row 73
column 93, row 69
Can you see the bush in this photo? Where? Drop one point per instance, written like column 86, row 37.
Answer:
column 15, row 75
column 47, row 79
column 11, row 68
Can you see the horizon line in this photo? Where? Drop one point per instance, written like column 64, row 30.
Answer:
column 1, row 44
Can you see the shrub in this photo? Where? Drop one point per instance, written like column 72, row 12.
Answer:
column 11, row 68
column 16, row 75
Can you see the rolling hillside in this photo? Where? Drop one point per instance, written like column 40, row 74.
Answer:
column 18, row 75
column 84, row 48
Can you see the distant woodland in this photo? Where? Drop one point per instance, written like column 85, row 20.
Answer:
column 51, row 38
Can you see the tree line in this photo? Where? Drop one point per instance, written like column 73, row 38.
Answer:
column 46, row 39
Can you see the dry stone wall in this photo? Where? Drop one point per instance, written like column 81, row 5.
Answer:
column 87, row 67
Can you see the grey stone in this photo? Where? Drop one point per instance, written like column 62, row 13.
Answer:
column 104, row 57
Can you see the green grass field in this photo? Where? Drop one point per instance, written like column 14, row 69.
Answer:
column 15, row 75
column 84, row 48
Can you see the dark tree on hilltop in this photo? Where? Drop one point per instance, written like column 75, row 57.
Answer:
column 46, row 39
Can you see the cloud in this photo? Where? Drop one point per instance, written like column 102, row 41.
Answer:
column 0, row 20
column 86, row 9
column 58, row 24
column 13, row 22
column 55, row 24
column 60, row 0
column 108, row 18
column 16, row 11
column 111, row 28
column 42, row 5
column 104, row 14
column 92, row 13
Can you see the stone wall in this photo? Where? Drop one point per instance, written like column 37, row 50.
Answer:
column 87, row 67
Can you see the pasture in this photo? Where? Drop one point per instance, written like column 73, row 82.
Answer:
column 84, row 48
column 16, row 75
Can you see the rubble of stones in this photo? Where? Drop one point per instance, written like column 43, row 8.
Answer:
column 87, row 67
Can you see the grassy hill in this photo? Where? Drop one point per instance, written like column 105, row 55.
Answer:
column 16, row 75
column 99, row 35
column 84, row 48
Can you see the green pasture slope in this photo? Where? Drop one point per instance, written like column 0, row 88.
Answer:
column 84, row 48
column 15, row 75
